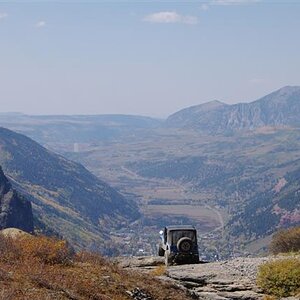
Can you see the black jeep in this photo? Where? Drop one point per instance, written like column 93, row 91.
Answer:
column 179, row 245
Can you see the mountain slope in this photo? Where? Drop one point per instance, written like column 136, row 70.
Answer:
column 65, row 196
column 277, row 207
column 207, row 116
column 280, row 108
column 15, row 210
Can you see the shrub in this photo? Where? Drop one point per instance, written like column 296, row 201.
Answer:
column 45, row 249
column 286, row 241
column 48, row 250
column 280, row 278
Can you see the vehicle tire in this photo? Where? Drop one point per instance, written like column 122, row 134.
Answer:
column 185, row 244
column 161, row 251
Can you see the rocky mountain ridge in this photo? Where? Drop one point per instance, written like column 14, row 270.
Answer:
column 15, row 210
column 280, row 108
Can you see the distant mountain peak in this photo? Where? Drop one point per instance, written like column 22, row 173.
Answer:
column 212, row 105
column 188, row 117
column 215, row 102
column 283, row 95
column 280, row 108
column 286, row 90
column 289, row 88
column 206, row 106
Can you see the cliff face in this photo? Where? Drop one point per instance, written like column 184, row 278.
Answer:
column 15, row 210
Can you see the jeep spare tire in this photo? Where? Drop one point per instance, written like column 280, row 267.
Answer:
column 184, row 244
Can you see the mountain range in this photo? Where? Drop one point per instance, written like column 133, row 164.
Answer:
column 240, row 160
column 77, row 128
column 280, row 108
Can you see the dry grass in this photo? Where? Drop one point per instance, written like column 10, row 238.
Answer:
column 159, row 271
column 39, row 268
column 267, row 297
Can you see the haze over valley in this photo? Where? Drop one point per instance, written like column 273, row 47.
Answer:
column 231, row 170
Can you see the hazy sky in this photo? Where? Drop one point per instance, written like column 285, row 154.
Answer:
column 144, row 57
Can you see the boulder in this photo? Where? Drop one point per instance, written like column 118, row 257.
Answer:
column 14, row 233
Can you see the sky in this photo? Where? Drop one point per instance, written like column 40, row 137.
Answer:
column 144, row 57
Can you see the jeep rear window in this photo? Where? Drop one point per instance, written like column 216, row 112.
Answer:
column 176, row 235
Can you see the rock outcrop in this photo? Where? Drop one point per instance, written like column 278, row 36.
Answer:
column 15, row 210
column 233, row 279
column 14, row 233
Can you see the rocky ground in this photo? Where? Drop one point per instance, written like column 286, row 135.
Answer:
column 231, row 279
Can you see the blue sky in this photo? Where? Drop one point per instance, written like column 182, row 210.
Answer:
column 144, row 57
